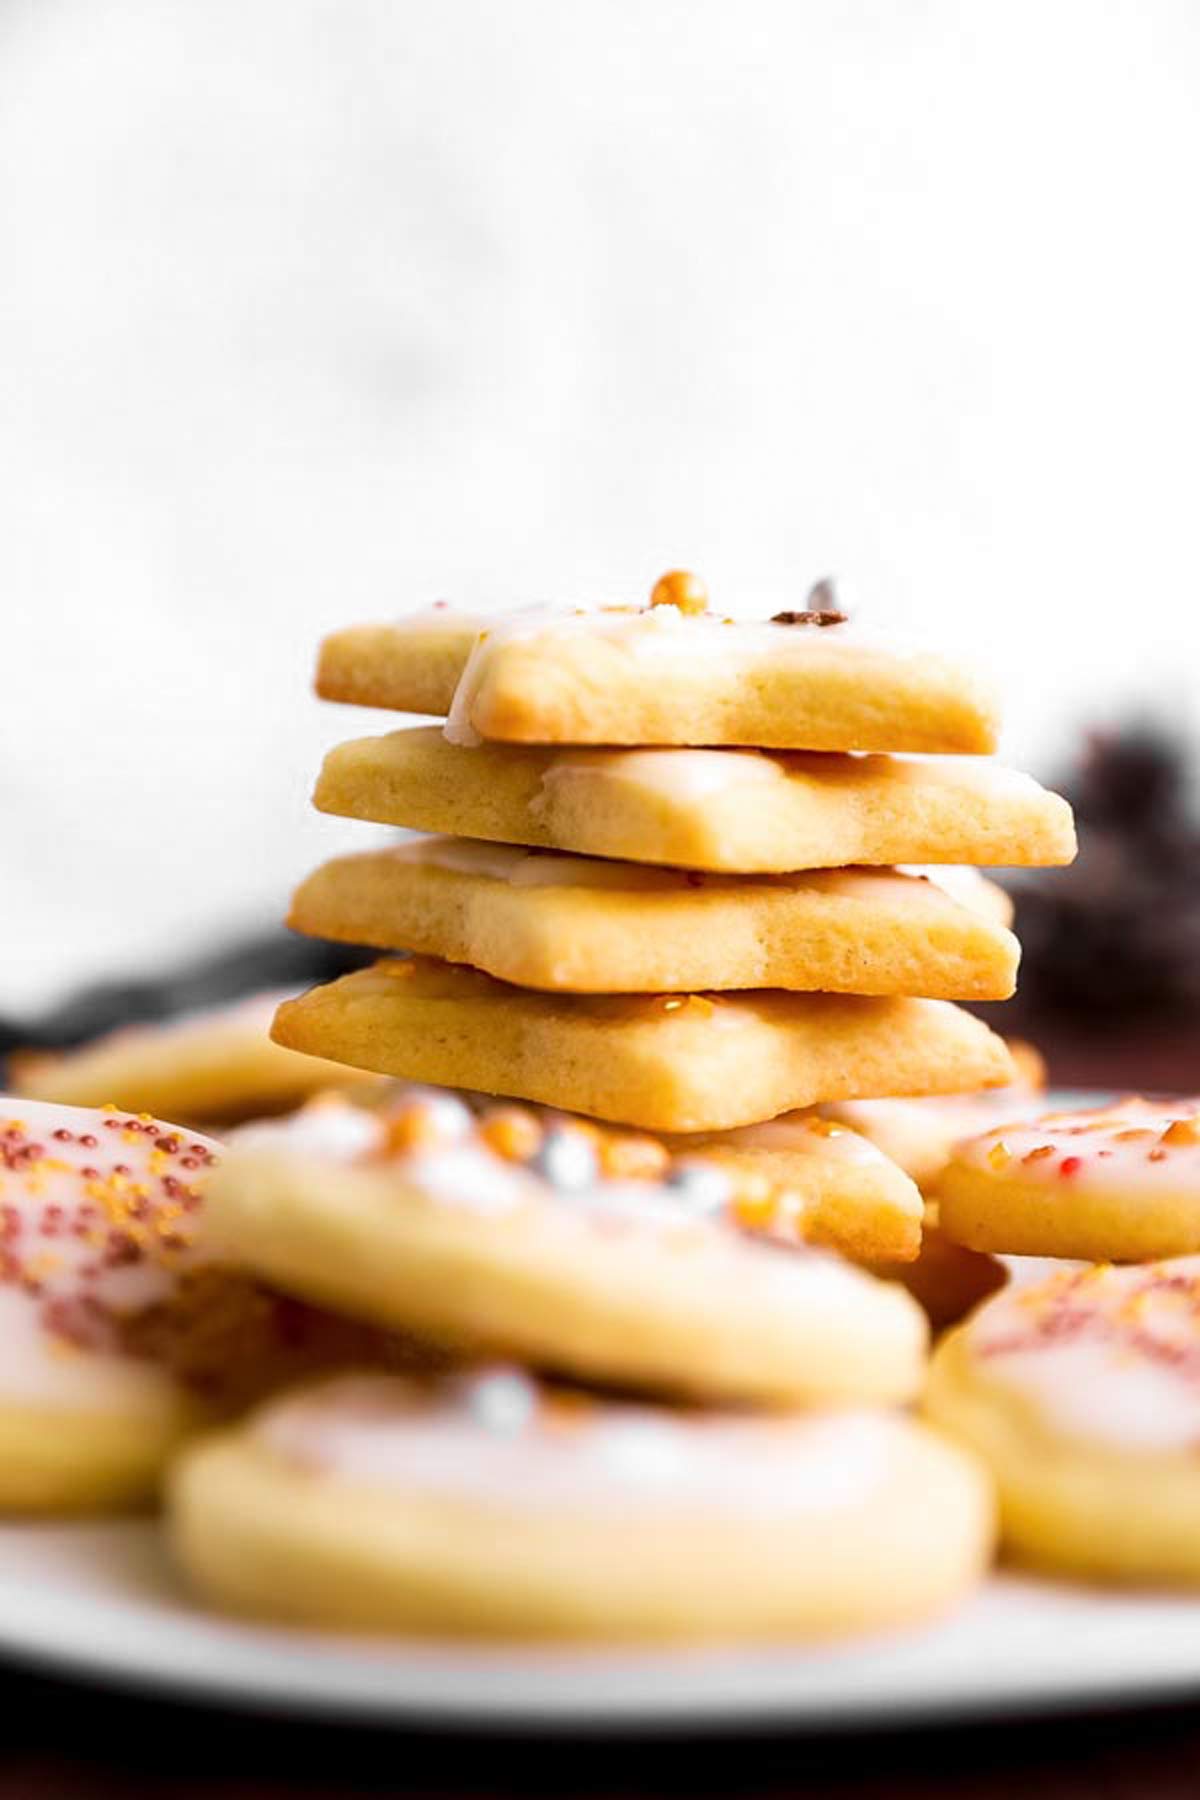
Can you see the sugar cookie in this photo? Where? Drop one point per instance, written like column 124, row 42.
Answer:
column 119, row 1336
column 587, row 925
column 1082, row 1394
column 490, row 1506
column 659, row 675
column 584, row 1252
column 734, row 810
column 1114, row 1183
column 843, row 1192
column 679, row 1063
column 217, row 1065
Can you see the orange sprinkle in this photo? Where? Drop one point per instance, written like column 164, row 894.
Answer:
column 413, row 1127
column 1182, row 1131
column 632, row 1158
column 1040, row 1154
column 682, row 589
column 999, row 1156
column 512, row 1133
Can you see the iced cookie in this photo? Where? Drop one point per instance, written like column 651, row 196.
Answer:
column 585, row 925
column 668, row 674
column 492, row 1506
column 217, row 1065
column 919, row 1133
column 117, row 1334
column 586, row 1252
column 665, row 1063
column 947, row 1280
column 840, row 1191
column 732, row 810
column 1114, row 1184
column 1082, row 1392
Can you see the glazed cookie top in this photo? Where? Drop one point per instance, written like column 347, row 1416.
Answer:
column 501, row 1437
column 669, row 633
column 476, row 1155
column 1136, row 1143
column 518, row 866
column 1110, row 1355
column 98, row 1211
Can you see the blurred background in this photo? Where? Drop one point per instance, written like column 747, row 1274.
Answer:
column 315, row 312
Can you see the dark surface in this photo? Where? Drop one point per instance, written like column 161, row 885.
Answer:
column 64, row 1741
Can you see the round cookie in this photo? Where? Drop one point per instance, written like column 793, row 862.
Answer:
column 1118, row 1183
column 118, row 1338
column 214, row 1066
column 489, row 1506
column 1082, row 1392
column 561, row 1244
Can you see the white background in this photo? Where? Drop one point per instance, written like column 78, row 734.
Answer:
column 310, row 312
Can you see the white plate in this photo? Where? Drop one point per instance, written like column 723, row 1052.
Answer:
column 99, row 1601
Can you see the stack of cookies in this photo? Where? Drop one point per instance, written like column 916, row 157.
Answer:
column 659, row 939
column 689, row 941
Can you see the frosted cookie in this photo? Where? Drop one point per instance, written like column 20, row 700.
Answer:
column 586, row 925
column 587, row 1252
column 491, row 1506
column 117, row 1335
column 920, row 1132
column 1082, row 1392
column 665, row 1063
column 217, row 1065
column 1114, row 1184
column 837, row 1189
column 946, row 1279
column 669, row 674
column 741, row 811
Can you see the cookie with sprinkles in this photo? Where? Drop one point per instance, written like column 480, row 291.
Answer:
column 673, row 671
column 1117, row 1183
column 548, row 1239
column 490, row 1505
column 1082, row 1393
column 117, row 1334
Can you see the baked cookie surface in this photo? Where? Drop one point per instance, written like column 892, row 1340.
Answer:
column 218, row 1065
column 659, row 675
column 1082, row 1393
column 740, row 811
column 842, row 1192
column 1115, row 1184
column 587, row 925
column 664, row 1063
column 491, row 1506
column 585, row 1252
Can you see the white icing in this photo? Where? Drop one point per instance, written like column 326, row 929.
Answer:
column 39, row 1369
column 43, row 1199
column 663, row 638
column 683, row 774
column 797, row 1132
column 326, row 1128
column 1099, row 1381
column 535, row 868
column 606, row 1456
column 1109, row 1157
